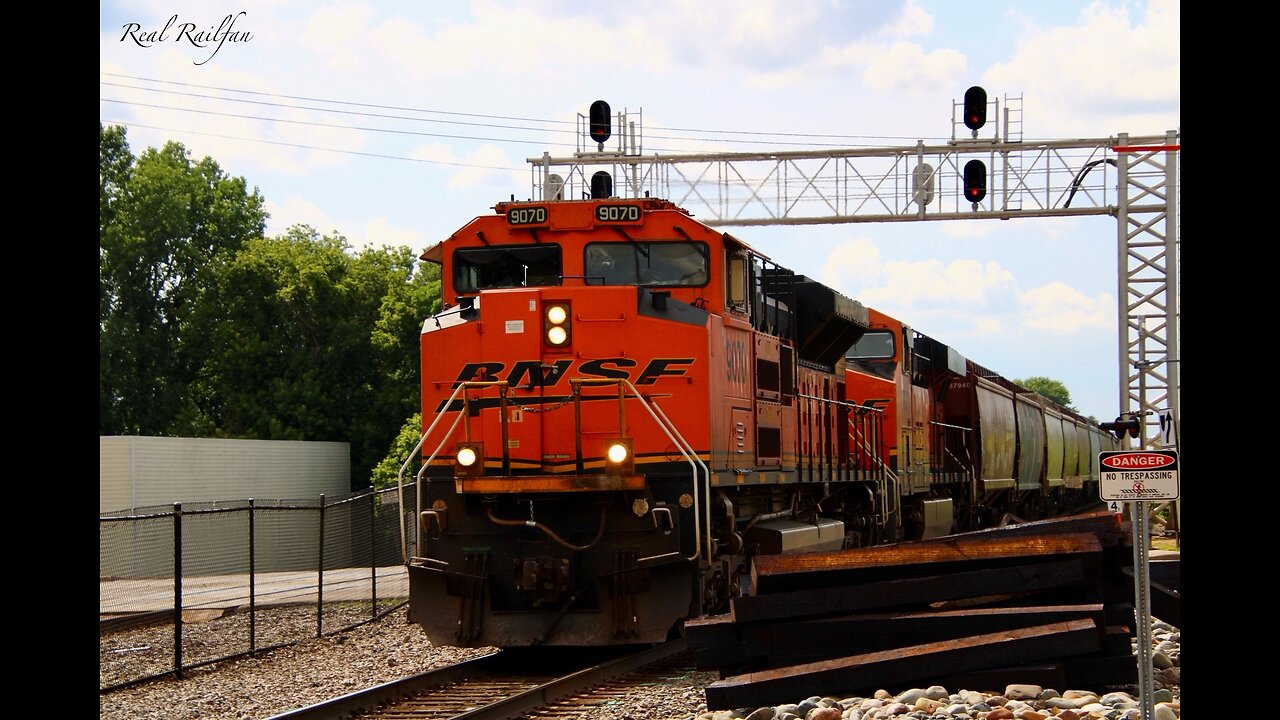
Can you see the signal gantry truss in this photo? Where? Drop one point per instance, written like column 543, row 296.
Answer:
column 1132, row 178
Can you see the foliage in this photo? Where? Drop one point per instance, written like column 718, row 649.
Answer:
column 1048, row 387
column 208, row 328
column 166, row 226
column 316, row 343
column 388, row 469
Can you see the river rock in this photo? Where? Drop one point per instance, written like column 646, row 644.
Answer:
column 927, row 705
column 1164, row 712
column 1116, row 698
column 937, row 692
column 911, row 696
column 1000, row 714
column 824, row 713
column 764, row 713
column 1023, row 692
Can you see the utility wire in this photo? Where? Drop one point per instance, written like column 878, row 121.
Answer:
column 331, row 110
column 526, row 119
column 312, row 147
column 320, row 124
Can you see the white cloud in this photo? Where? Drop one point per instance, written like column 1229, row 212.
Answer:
column 380, row 232
column 486, row 163
column 969, row 283
column 905, row 66
column 914, row 20
column 217, row 126
column 298, row 210
column 968, row 297
column 965, row 228
column 851, row 264
column 331, row 31
column 1061, row 308
column 1060, row 70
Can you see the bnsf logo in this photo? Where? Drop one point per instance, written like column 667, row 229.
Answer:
column 535, row 373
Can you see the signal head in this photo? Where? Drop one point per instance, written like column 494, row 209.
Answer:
column 600, row 127
column 975, row 107
column 975, row 181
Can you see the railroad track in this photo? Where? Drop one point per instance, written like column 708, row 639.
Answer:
column 500, row 687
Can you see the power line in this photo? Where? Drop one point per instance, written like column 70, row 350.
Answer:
column 320, row 124
column 331, row 110
column 311, row 147
column 414, row 132
column 516, row 118
column 336, row 102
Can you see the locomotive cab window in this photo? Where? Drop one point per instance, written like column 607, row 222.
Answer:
column 873, row 353
column 485, row 268
column 736, row 283
column 649, row 264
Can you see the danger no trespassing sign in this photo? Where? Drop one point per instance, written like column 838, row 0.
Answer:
column 1138, row 475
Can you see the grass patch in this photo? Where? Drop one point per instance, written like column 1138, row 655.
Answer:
column 1162, row 543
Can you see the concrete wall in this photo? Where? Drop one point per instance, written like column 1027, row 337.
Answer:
column 146, row 472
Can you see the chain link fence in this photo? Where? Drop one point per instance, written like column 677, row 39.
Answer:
column 187, row 585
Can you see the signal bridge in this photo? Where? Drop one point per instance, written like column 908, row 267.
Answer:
column 1131, row 178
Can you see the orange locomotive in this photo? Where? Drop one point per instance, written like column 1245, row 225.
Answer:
column 621, row 405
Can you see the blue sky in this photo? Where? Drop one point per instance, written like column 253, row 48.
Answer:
column 1023, row 297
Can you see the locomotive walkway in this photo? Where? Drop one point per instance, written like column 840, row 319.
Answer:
column 127, row 596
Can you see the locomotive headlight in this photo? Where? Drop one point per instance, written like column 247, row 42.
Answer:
column 468, row 459
column 618, row 458
column 555, row 324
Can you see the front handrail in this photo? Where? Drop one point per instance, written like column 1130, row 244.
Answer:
column 462, row 387
column 659, row 417
column 888, row 490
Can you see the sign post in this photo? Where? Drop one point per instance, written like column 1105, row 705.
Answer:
column 1140, row 477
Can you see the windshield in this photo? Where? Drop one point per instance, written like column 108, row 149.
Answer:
column 651, row 264
column 484, row 268
column 872, row 345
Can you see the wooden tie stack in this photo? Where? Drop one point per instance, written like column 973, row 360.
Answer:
column 1047, row 603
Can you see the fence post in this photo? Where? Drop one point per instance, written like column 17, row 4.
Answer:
column 177, row 590
column 320, row 585
column 373, row 552
column 253, row 627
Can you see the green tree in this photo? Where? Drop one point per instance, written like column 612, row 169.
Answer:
column 1050, row 388
column 316, row 342
column 167, row 223
column 208, row 328
column 388, row 469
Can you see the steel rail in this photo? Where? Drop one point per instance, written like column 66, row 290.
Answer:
column 368, row 700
